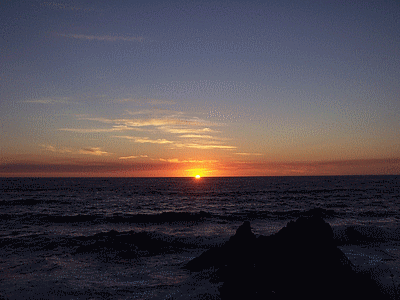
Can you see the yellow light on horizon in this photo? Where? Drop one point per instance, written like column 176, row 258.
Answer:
column 197, row 176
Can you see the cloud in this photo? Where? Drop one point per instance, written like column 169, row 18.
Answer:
column 56, row 150
column 340, row 167
column 156, row 122
column 146, row 140
column 160, row 102
column 123, row 168
column 168, row 125
column 176, row 160
column 149, row 101
column 197, row 146
column 148, row 122
column 101, row 120
column 82, row 168
column 156, row 111
column 142, row 112
column 91, row 130
column 143, row 140
column 186, row 130
column 46, row 101
column 248, row 154
column 106, row 38
column 93, row 151
column 204, row 147
column 198, row 136
column 49, row 148
column 164, row 125
column 170, row 160
column 133, row 156
column 129, row 157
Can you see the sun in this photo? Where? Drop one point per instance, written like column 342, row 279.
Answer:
column 197, row 176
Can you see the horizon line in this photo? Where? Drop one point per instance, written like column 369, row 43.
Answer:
column 155, row 177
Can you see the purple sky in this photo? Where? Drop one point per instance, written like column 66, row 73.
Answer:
column 221, row 88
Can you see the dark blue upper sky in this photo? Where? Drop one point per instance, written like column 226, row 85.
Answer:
column 280, row 80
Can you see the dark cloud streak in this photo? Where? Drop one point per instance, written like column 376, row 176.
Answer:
column 343, row 167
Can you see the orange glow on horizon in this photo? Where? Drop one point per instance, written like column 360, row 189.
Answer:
column 78, row 168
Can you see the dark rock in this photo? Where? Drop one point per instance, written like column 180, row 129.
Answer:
column 235, row 251
column 244, row 233
column 312, row 230
column 300, row 261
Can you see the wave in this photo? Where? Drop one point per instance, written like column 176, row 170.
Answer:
column 126, row 244
column 165, row 217
column 179, row 217
column 357, row 234
column 29, row 202
column 133, row 244
column 281, row 215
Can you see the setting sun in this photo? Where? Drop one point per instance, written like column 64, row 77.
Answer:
column 197, row 176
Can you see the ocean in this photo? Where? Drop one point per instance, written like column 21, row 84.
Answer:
column 128, row 238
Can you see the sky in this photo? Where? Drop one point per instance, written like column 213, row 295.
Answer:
column 211, row 88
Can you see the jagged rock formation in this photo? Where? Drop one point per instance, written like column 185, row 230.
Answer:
column 300, row 261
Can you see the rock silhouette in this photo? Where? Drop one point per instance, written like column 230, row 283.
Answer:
column 299, row 261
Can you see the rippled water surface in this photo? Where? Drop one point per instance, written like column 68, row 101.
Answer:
column 138, row 231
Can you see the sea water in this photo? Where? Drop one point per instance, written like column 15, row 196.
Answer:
column 45, row 222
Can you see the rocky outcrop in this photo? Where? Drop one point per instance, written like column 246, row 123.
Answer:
column 300, row 261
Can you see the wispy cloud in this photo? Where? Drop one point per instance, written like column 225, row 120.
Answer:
column 92, row 130
column 195, row 130
column 248, row 154
column 157, row 122
column 199, row 136
column 198, row 146
column 148, row 122
column 156, row 111
column 160, row 102
column 204, row 146
column 214, row 139
column 102, row 120
column 341, row 167
column 56, row 149
column 47, row 101
column 133, row 156
column 149, row 101
column 106, row 38
column 129, row 157
column 170, row 160
column 174, row 144
column 186, row 130
column 176, row 160
column 143, row 140
column 93, row 151
column 81, row 167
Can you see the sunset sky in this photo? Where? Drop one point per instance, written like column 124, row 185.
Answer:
column 215, row 88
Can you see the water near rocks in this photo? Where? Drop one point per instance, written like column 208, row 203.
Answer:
column 127, row 238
